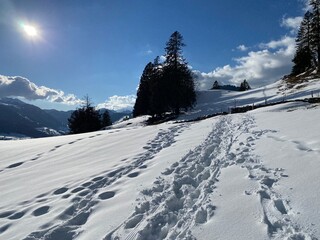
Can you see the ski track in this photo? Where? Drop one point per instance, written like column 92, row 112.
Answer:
column 180, row 197
column 82, row 197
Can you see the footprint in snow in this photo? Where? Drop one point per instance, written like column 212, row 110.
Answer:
column 78, row 189
column 133, row 221
column 17, row 215
column 86, row 184
column 133, row 175
column 143, row 167
column 66, row 196
column 60, row 191
column 4, row 228
column 107, row 195
column 55, row 148
column 37, row 157
column 84, row 193
column 268, row 181
column 278, row 203
column 302, row 147
column 15, row 165
column 41, row 211
column 96, row 179
column 6, row 214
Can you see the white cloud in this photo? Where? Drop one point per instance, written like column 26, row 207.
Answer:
column 242, row 48
column 292, row 23
column 119, row 103
column 259, row 68
column 285, row 42
column 23, row 87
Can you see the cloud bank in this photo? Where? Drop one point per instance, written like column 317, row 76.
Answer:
column 267, row 64
column 119, row 103
column 23, row 87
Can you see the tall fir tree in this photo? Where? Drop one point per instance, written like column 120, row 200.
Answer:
column 304, row 35
column 304, row 58
column 142, row 104
column 158, row 101
column 315, row 30
column 302, row 61
column 177, row 77
column 307, row 56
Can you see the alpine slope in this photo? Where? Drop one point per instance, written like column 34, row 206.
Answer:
column 253, row 175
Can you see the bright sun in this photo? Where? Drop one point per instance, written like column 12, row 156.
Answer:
column 31, row 31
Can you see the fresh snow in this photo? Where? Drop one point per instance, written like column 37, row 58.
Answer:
column 241, row 176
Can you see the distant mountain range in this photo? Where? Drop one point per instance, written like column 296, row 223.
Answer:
column 18, row 118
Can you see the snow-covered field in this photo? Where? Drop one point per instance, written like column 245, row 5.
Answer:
column 240, row 176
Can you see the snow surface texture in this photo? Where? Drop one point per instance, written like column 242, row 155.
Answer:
column 240, row 176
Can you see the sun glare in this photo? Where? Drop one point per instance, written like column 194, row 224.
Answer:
column 31, row 31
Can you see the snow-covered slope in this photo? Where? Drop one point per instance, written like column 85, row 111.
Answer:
column 217, row 101
column 240, row 176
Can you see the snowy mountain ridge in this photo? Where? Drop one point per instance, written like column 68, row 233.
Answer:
column 239, row 176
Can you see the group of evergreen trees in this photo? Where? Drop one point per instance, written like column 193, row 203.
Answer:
column 88, row 119
column 244, row 86
column 168, row 86
column 307, row 56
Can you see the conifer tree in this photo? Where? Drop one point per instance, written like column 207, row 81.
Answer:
column 106, row 120
column 177, row 77
column 307, row 54
column 215, row 85
column 244, row 86
column 304, row 58
column 158, row 100
column 142, row 104
column 302, row 61
column 85, row 118
column 315, row 30
column 304, row 35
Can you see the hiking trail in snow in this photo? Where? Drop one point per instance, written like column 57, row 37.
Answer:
column 81, row 198
column 180, row 198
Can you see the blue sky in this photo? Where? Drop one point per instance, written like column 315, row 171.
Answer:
column 100, row 47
